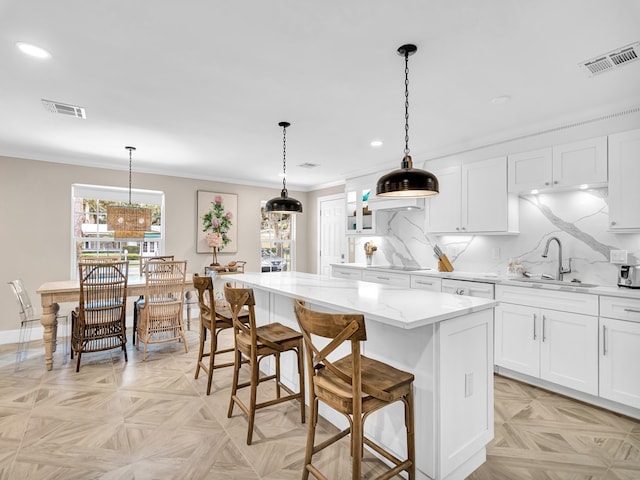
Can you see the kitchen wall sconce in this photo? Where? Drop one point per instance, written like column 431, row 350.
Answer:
column 407, row 181
column 128, row 221
column 284, row 203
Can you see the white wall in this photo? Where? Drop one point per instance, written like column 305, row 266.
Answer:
column 35, row 219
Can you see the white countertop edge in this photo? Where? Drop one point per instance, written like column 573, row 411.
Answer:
column 479, row 304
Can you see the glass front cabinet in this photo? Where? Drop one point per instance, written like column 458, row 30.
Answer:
column 360, row 220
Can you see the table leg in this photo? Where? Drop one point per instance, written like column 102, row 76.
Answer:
column 50, row 324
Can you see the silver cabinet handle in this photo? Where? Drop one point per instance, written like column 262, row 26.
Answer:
column 419, row 282
column 535, row 320
column 383, row 278
column 544, row 330
column 604, row 340
column 460, row 291
column 613, row 223
column 631, row 310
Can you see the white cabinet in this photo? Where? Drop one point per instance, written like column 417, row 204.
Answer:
column 563, row 166
column 473, row 198
column 346, row 272
column 360, row 220
column 624, row 173
column 387, row 278
column 468, row 288
column 620, row 350
column 421, row 282
column 554, row 345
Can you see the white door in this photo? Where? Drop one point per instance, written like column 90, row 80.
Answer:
column 568, row 350
column 331, row 232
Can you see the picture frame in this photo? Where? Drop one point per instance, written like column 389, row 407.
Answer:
column 204, row 203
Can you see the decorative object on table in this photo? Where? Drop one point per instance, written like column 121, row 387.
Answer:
column 284, row 203
column 444, row 265
column 407, row 181
column 369, row 248
column 514, row 268
column 128, row 221
column 217, row 214
column 215, row 241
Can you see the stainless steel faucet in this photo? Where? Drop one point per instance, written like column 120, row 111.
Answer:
column 561, row 269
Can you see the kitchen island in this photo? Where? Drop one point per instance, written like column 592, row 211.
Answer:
column 445, row 340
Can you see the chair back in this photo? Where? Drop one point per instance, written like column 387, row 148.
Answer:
column 164, row 288
column 24, row 302
column 204, row 287
column 340, row 328
column 238, row 298
column 144, row 260
column 103, row 291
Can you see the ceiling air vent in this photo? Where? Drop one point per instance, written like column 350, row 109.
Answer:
column 64, row 109
column 309, row 165
column 615, row 58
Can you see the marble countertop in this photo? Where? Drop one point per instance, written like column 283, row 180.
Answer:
column 611, row 290
column 396, row 306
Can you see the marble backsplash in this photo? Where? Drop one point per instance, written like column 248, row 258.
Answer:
column 579, row 219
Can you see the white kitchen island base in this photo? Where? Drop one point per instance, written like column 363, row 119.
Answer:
column 451, row 358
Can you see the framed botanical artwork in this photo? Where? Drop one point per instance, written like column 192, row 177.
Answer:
column 217, row 219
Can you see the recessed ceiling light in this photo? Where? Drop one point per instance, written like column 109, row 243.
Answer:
column 501, row 100
column 33, row 50
column 376, row 143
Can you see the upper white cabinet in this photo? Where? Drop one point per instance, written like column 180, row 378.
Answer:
column 473, row 199
column 624, row 173
column 360, row 220
column 563, row 166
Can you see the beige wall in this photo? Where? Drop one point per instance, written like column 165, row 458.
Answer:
column 35, row 217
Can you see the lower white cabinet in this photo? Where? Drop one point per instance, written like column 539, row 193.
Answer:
column 468, row 288
column 557, row 346
column 387, row 278
column 420, row 282
column 620, row 350
column 346, row 272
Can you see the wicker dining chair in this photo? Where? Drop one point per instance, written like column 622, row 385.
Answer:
column 160, row 317
column 99, row 321
column 140, row 300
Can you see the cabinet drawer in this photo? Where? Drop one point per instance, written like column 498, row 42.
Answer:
column 426, row 283
column 620, row 308
column 472, row 289
column 353, row 273
column 396, row 279
column 552, row 299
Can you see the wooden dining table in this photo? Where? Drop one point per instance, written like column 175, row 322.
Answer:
column 60, row 291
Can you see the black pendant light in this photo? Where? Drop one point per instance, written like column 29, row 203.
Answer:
column 407, row 181
column 284, row 203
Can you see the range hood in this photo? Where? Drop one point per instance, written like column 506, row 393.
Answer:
column 396, row 203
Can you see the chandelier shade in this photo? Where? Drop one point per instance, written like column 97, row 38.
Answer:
column 128, row 221
column 407, row 182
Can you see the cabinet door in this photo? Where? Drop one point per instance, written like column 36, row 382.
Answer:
column 516, row 338
column 624, row 172
column 484, row 196
column 530, row 170
column 568, row 350
column 619, row 360
column 578, row 163
column 444, row 208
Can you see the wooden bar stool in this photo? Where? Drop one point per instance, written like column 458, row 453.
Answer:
column 256, row 343
column 214, row 320
column 354, row 386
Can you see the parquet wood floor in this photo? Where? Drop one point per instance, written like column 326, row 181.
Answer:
column 152, row 420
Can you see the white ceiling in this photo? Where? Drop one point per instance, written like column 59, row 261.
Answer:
column 200, row 86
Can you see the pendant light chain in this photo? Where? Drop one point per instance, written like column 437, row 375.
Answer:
column 130, row 149
column 406, row 103
column 284, row 157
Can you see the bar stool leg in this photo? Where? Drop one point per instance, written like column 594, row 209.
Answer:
column 255, row 374
column 277, row 355
column 301, row 381
column 411, row 443
column 234, row 384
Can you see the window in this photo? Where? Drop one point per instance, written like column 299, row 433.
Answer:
column 90, row 236
column 276, row 241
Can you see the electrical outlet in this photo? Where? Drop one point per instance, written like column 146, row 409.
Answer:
column 495, row 253
column 618, row 256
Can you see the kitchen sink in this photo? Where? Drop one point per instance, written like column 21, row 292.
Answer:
column 558, row 283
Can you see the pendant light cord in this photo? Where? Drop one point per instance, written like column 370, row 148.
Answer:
column 406, row 103
column 284, row 157
column 130, row 150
